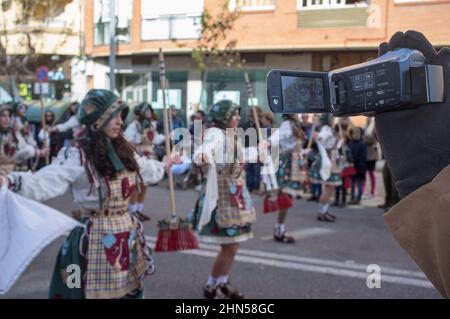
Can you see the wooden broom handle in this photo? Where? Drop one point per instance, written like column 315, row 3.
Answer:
column 162, row 80
column 255, row 115
column 46, row 134
column 273, row 183
column 344, row 147
column 312, row 133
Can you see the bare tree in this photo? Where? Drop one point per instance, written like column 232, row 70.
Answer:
column 214, row 48
column 17, row 65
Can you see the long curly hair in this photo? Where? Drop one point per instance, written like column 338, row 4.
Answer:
column 96, row 151
column 295, row 124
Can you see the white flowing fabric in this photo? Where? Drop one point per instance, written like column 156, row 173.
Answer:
column 213, row 141
column 325, row 140
column 26, row 227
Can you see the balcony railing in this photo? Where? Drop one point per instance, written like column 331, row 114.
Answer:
column 322, row 13
column 253, row 5
column 330, row 4
column 165, row 27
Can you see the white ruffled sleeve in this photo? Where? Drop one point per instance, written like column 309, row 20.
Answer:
column 70, row 124
column 132, row 135
column 152, row 171
column 25, row 151
column 52, row 180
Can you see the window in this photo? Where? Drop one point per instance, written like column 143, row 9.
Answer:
column 171, row 19
column 102, row 19
column 132, row 87
column 176, row 94
column 230, row 84
column 415, row 1
column 171, row 27
column 330, row 4
column 5, row 97
column 252, row 5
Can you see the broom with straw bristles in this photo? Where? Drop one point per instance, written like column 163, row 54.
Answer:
column 274, row 200
column 174, row 233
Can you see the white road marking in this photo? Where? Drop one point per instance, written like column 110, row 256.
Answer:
column 302, row 234
column 316, row 265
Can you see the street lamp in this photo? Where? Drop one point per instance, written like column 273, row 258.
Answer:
column 112, row 45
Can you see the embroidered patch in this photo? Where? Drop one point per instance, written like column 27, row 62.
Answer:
column 231, row 231
column 89, row 108
column 118, row 254
column 109, row 240
column 127, row 188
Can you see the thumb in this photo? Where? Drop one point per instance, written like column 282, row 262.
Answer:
column 416, row 40
column 443, row 56
column 397, row 41
column 383, row 48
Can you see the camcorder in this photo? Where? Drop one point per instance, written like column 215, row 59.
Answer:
column 400, row 79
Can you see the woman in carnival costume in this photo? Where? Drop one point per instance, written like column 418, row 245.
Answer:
column 224, row 212
column 325, row 169
column 102, row 173
column 142, row 134
column 13, row 147
column 290, row 137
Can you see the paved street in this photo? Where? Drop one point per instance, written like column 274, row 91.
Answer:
column 327, row 261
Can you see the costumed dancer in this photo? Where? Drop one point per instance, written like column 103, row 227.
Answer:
column 224, row 212
column 20, row 124
column 325, row 170
column 344, row 127
column 290, row 138
column 70, row 128
column 13, row 147
column 102, row 173
column 18, row 118
column 291, row 155
column 142, row 134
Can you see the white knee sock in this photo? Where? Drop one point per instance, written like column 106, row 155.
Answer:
column 212, row 281
column 279, row 229
column 222, row 280
column 140, row 207
column 323, row 208
column 132, row 207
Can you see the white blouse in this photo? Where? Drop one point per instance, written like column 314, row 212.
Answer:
column 67, row 171
column 133, row 133
column 284, row 137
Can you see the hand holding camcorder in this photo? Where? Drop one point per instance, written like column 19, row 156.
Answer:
column 407, row 88
column 399, row 79
column 416, row 142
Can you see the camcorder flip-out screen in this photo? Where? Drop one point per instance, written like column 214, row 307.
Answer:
column 400, row 79
column 299, row 92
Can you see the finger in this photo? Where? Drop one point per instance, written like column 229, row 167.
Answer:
column 416, row 40
column 397, row 41
column 383, row 48
column 443, row 56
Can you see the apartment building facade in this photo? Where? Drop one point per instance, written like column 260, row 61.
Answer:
column 44, row 33
column 315, row 35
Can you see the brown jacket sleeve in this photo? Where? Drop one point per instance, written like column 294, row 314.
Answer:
column 421, row 225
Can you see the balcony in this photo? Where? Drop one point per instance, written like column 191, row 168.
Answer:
column 331, row 13
column 253, row 5
column 174, row 26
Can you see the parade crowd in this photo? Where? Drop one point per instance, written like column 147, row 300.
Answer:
column 109, row 165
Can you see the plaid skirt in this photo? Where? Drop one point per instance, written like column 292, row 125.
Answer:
column 215, row 233
column 289, row 175
column 112, row 255
column 314, row 174
column 118, row 258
